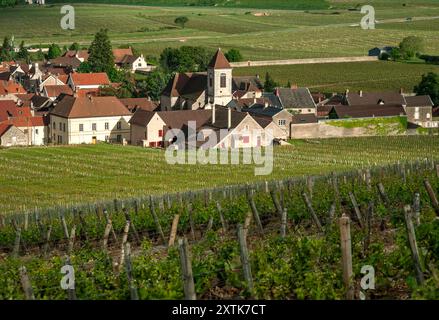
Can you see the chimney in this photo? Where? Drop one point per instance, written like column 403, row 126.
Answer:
column 214, row 114
column 229, row 118
column 360, row 93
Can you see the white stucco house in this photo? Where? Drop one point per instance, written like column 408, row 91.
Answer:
column 77, row 120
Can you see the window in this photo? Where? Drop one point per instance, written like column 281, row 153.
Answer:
column 36, row 131
column 107, row 126
column 139, row 65
column 223, row 80
column 93, row 126
column 160, row 133
column 282, row 122
column 119, row 138
column 54, row 125
column 59, row 139
column 81, row 127
column 119, row 125
column 60, row 126
column 428, row 116
column 416, row 114
column 64, row 127
column 246, row 139
column 152, row 144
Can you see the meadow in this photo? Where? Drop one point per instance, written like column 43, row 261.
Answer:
column 56, row 176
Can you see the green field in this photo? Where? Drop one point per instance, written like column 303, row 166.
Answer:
column 355, row 76
column 279, row 35
column 46, row 177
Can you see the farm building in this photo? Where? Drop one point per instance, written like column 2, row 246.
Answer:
column 296, row 100
column 419, row 110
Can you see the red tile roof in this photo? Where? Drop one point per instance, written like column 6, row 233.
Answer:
column 119, row 54
column 89, row 107
column 56, row 90
column 90, row 79
column 4, row 127
column 219, row 61
column 8, row 109
column 139, row 103
column 10, row 87
column 22, row 122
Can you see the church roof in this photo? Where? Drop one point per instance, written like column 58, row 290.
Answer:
column 219, row 61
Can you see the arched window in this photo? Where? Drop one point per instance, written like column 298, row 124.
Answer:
column 223, row 80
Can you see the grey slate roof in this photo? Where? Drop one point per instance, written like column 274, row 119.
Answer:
column 295, row 98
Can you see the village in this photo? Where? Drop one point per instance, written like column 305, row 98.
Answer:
column 50, row 103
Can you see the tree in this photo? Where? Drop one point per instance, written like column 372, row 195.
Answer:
column 153, row 85
column 74, row 46
column 411, row 47
column 269, row 84
column 185, row 59
column 233, row 55
column 39, row 55
column 7, row 50
column 396, row 54
column 181, row 21
column 101, row 57
column 429, row 85
column 84, row 67
column 23, row 54
column 54, row 51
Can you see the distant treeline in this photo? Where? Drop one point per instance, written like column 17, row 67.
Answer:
column 257, row 4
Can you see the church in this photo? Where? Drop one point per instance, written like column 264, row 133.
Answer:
column 202, row 90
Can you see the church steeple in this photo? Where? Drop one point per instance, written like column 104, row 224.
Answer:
column 219, row 80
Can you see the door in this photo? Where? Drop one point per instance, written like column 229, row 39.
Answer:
column 93, row 140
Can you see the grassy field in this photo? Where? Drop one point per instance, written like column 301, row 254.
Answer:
column 366, row 76
column 279, row 35
column 46, row 177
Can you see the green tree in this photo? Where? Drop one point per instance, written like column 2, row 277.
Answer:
column 185, row 59
column 75, row 46
column 181, row 21
column 396, row 54
column 269, row 84
column 54, row 51
column 23, row 54
column 429, row 85
column 39, row 56
column 84, row 67
column 7, row 49
column 234, row 55
column 101, row 57
column 411, row 47
column 153, row 85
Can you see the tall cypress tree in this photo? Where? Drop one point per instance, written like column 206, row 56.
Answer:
column 101, row 57
column 7, row 50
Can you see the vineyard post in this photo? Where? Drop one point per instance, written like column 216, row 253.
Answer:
column 71, row 240
column 245, row 258
column 413, row 244
column 247, row 222
column 276, row 203
column 71, row 292
column 186, row 270
column 191, row 221
column 83, row 224
column 168, row 202
column 107, row 231
column 283, row 229
column 267, row 189
column 107, row 217
column 16, row 250
column 383, row 194
column 280, row 186
column 129, row 270
column 47, row 244
column 432, row 196
column 173, row 230
column 26, row 220
column 332, row 212
column 223, row 220
column 368, row 180
column 346, row 250
column 126, row 230
column 128, row 217
column 156, row 220
column 311, row 210
column 64, row 225
column 209, row 225
column 25, row 284
column 369, row 215
column 356, row 209
column 255, row 211
column 417, row 208
column 310, row 185
column 99, row 212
